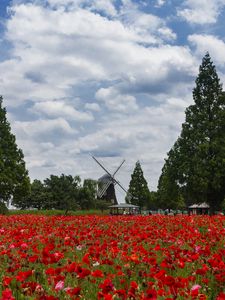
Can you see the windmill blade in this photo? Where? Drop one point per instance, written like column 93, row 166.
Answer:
column 118, row 167
column 117, row 182
column 104, row 189
column 128, row 194
column 101, row 166
column 113, row 180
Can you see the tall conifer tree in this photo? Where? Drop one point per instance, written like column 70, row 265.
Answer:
column 14, row 180
column 198, row 156
column 138, row 192
column 169, row 193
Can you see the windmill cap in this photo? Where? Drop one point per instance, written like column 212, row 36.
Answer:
column 105, row 178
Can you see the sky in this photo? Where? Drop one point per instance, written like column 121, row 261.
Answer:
column 109, row 78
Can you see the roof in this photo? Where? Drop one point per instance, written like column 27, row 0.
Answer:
column 201, row 205
column 105, row 178
column 124, row 205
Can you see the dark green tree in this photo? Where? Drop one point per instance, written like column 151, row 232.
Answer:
column 152, row 202
column 3, row 209
column 62, row 192
column 14, row 179
column 199, row 153
column 169, row 194
column 138, row 191
column 38, row 195
column 87, row 194
column 101, row 204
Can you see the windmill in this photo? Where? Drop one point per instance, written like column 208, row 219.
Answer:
column 106, row 184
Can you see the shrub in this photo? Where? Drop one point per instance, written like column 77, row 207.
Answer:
column 3, row 208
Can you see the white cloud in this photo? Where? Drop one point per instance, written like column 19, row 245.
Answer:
column 201, row 11
column 105, row 6
column 30, row 19
column 32, row 129
column 125, row 59
column 92, row 106
column 160, row 3
column 115, row 101
column 81, row 46
column 57, row 52
column 150, row 27
column 60, row 109
column 146, row 23
column 210, row 43
column 146, row 135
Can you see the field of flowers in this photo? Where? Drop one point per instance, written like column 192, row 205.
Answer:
column 109, row 257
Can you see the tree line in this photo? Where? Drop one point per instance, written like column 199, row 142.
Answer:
column 193, row 172
column 63, row 192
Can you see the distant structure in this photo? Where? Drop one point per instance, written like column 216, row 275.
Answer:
column 106, row 184
column 198, row 209
column 124, row 209
column 106, row 189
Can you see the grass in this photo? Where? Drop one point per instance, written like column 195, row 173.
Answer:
column 58, row 212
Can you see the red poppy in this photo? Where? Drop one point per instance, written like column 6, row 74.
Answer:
column 97, row 273
column 73, row 291
column 22, row 276
column 151, row 294
column 7, row 295
column 6, row 280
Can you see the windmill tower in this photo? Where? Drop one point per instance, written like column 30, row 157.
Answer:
column 106, row 184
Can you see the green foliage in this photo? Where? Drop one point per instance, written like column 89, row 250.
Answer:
column 197, row 160
column 169, row 193
column 223, row 206
column 102, row 205
column 14, row 180
column 61, row 192
column 152, row 201
column 3, row 208
column 55, row 212
column 138, row 192
column 38, row 195
column 87, row 194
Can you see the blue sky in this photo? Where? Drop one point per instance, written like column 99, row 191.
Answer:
column 110, row 78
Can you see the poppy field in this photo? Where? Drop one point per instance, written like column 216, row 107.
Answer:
column 110, row 257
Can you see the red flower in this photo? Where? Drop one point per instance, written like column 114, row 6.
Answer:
column 85, row 259
column 73, row 291
column 33, row 258
column 22, row 276
column 50, row 271
column 221, row 296
column 134, row 258
column 134, row 284
column 195, row 290
column 6, row 280
column 169, row 280
column 97, row 273
column 7, row 295
column 71, row 267
column 82, row 272
column 203, row 270
column 121, row 293
column 151, row 295
column 108, row 297
column 107, row 286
